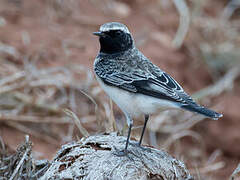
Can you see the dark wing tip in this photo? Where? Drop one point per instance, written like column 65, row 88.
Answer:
column 217, row 116
column 202, row 110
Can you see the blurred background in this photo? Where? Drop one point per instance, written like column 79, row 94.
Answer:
column 46, row 55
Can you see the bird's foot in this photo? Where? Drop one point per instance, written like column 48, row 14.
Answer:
column 120, row 153
column 135, row 144
column 138, row 145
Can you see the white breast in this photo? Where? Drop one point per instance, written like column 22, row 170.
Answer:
column 135, row 104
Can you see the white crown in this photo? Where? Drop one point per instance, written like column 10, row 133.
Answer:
column 114, row 26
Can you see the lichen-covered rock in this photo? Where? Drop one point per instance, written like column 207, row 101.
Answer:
column 93, row 158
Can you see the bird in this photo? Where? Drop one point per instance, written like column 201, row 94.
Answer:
column 134, row 83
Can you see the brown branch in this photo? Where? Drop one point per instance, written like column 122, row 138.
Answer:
column 34, row 119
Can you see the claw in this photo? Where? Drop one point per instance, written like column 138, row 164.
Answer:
column 120, row 153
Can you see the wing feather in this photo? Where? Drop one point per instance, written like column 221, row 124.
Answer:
column 168, row 89
column 148, row 80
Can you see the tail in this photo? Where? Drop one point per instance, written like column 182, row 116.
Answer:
column 202, row 110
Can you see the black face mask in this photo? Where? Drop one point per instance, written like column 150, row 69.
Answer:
column 115, row 41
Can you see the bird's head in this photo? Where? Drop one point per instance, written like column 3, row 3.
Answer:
column 114, row 38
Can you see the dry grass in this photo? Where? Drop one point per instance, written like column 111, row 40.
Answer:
column 38, row 95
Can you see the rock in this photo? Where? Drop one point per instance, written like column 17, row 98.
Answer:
column 94, row 158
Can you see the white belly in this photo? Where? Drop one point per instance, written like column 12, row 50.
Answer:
column 135, row 104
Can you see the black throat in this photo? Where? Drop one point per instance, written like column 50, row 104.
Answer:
column 115, row 45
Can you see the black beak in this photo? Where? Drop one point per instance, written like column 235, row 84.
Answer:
column 98, row 33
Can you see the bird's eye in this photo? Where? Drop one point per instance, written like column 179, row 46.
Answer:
column 118, row 33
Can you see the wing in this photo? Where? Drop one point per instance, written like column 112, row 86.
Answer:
column 150, row 81
column 163, row 87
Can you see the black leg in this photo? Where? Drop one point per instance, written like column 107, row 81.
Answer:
column 130, row 124
column 128, row 137
column 144, row 127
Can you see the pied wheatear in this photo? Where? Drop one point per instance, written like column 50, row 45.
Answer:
column 134, row 83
